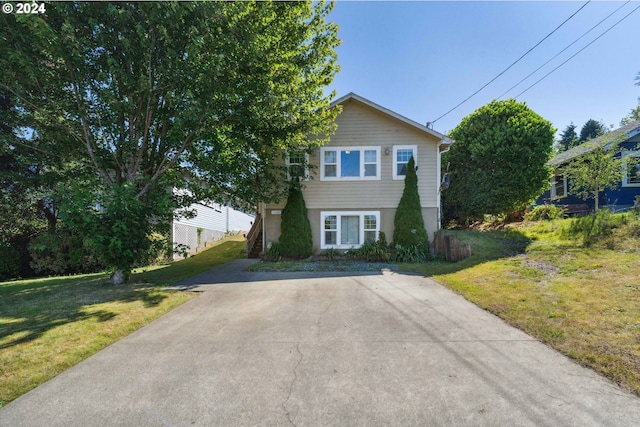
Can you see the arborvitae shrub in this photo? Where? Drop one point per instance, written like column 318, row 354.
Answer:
column 295, row 231
column 408, row 223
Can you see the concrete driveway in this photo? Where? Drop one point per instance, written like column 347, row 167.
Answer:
column 307, row 349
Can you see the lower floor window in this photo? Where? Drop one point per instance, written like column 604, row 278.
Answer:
column 344, row 230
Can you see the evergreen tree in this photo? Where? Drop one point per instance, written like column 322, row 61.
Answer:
column 295, row 230
column 408, row 223
column 568, row 138
column 592, row 129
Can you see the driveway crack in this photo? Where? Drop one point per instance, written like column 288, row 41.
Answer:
column 293, row 382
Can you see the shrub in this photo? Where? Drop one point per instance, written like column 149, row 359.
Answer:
column 408, row 222
column 9, row 267
column 412, row 253
column 62, row 252
column 545, row 212
column 330, row 253
column 273, row 253
column 295, row 231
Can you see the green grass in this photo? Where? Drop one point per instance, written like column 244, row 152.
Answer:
column 573, row 284
column 48, row 325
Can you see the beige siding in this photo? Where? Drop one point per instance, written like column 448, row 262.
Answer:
column 360, row 125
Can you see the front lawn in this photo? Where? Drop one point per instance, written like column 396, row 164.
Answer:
column 48, row 325
column 574, row 284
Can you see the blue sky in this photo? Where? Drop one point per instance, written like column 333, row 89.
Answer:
column 421, row 58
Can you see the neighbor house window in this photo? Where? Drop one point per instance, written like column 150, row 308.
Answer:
column 631, row 169
column 558, row 186
column 345, row 230
column 297, row 164
column 401, row 156
column 349, row 163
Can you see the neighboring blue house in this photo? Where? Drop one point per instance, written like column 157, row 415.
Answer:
column 620, row 198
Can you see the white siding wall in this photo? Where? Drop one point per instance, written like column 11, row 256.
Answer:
column 214, row 222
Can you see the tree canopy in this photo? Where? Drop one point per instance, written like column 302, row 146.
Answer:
column 159, row 95
column 498, row 161
column 592, row 129
column 593, row 172
column 568, row 138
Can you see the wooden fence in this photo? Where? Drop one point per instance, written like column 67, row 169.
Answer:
column 447, row 245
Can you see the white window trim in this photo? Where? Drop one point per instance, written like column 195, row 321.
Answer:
column 306, row 166
column 340, row 214
column 552, row 191
column 395, row 158
column 362, row 177
column 625, row 183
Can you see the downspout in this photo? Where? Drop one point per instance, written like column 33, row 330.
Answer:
column 264, row 233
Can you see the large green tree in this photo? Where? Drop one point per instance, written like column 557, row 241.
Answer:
column 498, row 161
column 196, row 95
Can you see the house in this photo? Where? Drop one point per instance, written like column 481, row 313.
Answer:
column 354, row 188
column 619, row 198
column 212, row 222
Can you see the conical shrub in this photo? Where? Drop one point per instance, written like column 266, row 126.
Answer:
column 295, row 231
column 408, row 223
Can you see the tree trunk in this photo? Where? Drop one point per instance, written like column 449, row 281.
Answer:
column 118, row 277
column 596, row 200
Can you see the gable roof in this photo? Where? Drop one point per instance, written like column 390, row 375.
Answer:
column 445, row 141
column 622, row 134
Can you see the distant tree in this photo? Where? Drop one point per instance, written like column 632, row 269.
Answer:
column 498, row 161
column 634, row 114
column 408, row 222
column 592, row 129
column 568, row 138
column 594, row 171
column 295, row 230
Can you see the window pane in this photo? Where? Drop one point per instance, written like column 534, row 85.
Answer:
column 330, row 222
column 350, row 230
column 634, row 175
column 369, row 236
column 369, row 222
column 330, row 157
column 403, row 156
column 370, row 169
column 330, row 170
column 296, row 157
column 559, row 185
column 330, row 237
column 349, row 163
column 370, row 156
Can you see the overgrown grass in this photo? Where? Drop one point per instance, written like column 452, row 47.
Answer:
column 48, row 325
column 575, row 285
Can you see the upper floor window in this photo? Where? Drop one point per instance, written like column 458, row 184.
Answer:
column 401, row 156
column 297, row 164
column 349, row 163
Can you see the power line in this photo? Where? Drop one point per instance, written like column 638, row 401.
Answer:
column 514, row 63
column 572, row 56
column 557, row 54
